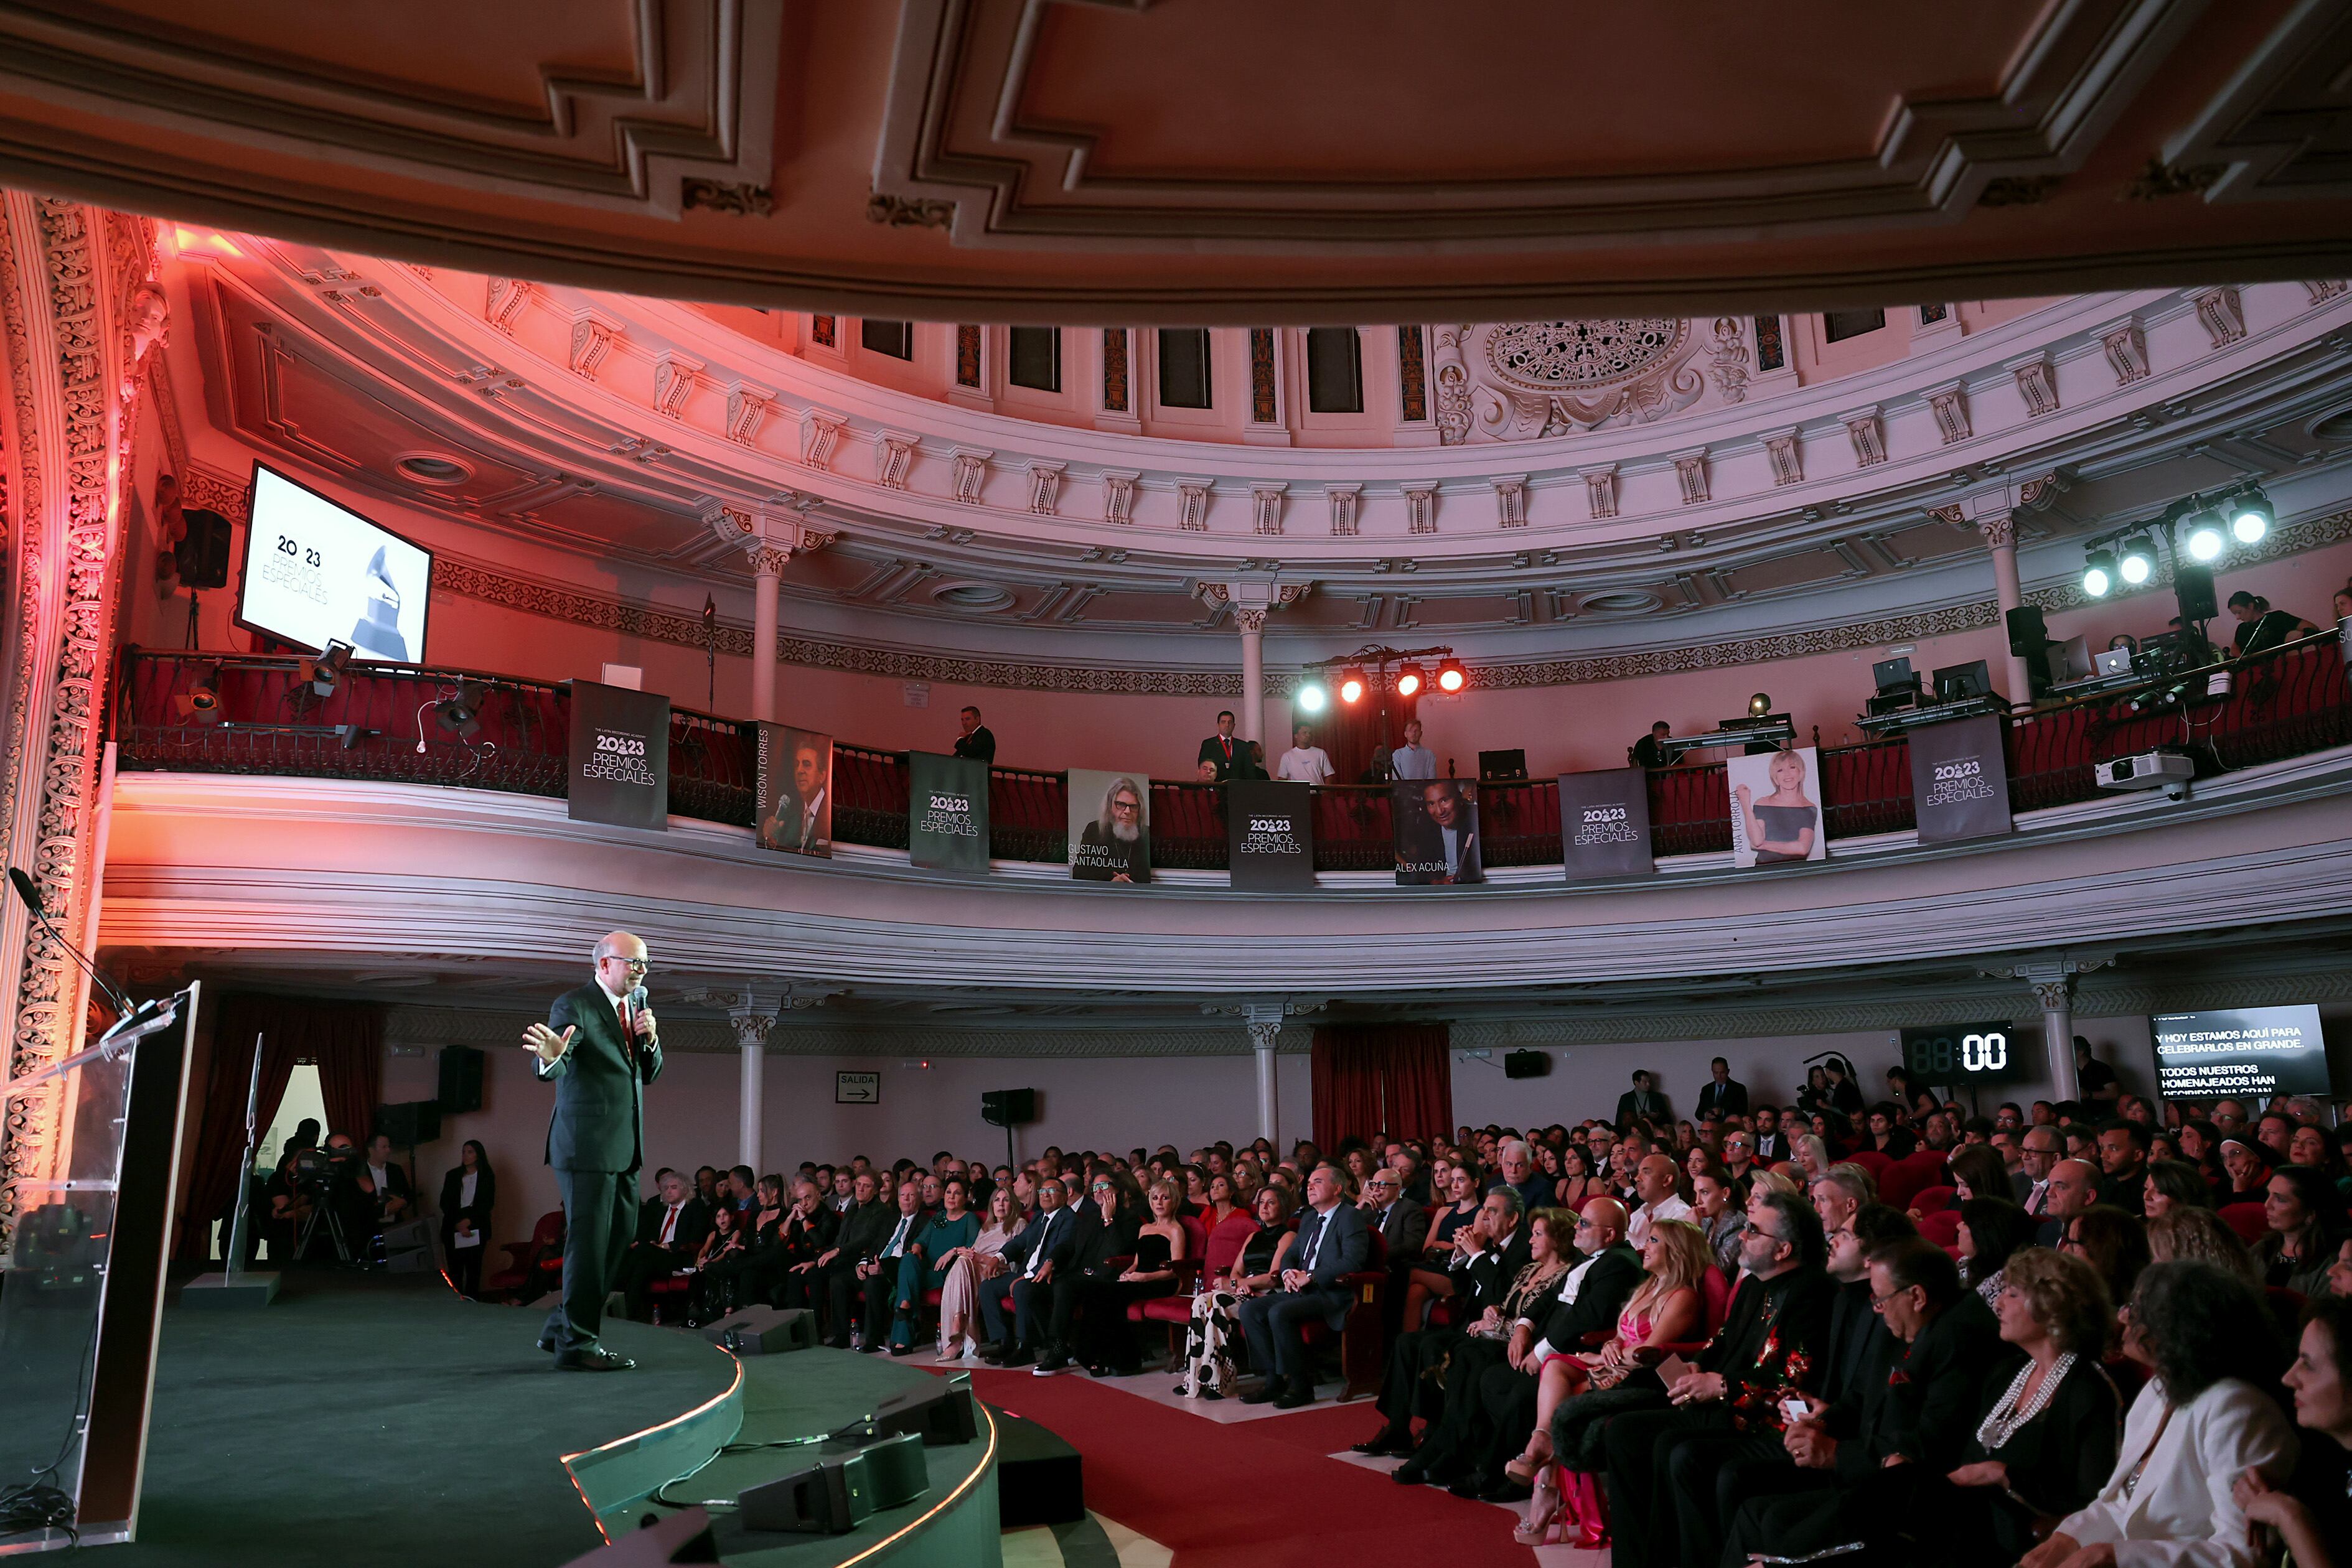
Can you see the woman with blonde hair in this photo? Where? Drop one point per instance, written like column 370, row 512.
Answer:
column 2183, row 1232
column 1811, row 1155
column 968, row 1266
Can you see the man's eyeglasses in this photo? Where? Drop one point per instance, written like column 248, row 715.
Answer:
column 1879, row 1302
column 640, row 964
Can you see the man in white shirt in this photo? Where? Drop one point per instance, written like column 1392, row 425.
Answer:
column 1653, row 1184
column 1412, row 760
column 1305, row 762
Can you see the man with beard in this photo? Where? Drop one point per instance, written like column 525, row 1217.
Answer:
column 1440, row 841
column 1112, row 848
column 802, row 820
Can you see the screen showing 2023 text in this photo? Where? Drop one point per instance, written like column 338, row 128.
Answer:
column 315, row 572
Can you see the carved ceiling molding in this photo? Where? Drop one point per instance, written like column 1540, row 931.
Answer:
column 2277, row 129
column 953, row 133
column 690, row 123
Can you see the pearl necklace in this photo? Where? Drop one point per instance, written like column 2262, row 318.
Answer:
column 2007, row 1416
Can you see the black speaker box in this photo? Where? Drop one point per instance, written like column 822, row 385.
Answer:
column 2027, row 630
column 1009, row 1107
column 940, row 1413
column 683, row 1537
column 765, row 1331
column 201, row 556
column 1527, row 1063
column 409, row 1122
column 2192, row 585
column 461, row 1080
column 1040, row 1478
column 840, row 1490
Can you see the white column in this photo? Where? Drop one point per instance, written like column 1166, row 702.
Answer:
column 767, row 571
column 752, row 1025
column 2055, row 989
column 2000, row 533
column 1253, row 715
column 1264, row 1022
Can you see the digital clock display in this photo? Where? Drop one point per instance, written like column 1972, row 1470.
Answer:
column 1963, row 1054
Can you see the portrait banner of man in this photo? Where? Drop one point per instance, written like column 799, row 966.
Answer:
column 795, row 812
column 1436, row 831
column 1110, row 826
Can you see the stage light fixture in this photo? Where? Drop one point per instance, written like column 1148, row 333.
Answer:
column 1352, row 686
column 2136, row 564
column 1410, row 680
column 1759, row 706
column 2250, row 518
column 1451, row 676
column 200, row 704
column 325, row 672
column 460, row 712
column 1310, row 697
column 2098, row 572
column 2206, row 540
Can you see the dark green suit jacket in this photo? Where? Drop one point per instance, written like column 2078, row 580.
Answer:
column 600, row 1107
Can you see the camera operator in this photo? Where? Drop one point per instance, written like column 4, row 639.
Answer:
column 331, row 1176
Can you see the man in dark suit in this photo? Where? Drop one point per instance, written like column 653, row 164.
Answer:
column 600, row 1047
column 1643, row 1100
column 1489, row 1254
column 669, row 1236
column 1024, row 1289
column 1403, row 1225
column 1333, row 1242
column 1439, row 839
column 1723, row 1094
column 1220, row 751
column 977, row 741
column 864, row 1225
column 802, row 820
column 1772, row 1143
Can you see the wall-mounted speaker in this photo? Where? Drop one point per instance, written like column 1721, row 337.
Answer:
column 840, row 1490
column 1527, row 1063
column 2027, row 630
column 409, row 1122
column 1009, row 1107
column 461, row 1080
column 2192, row 586
column 201, row 556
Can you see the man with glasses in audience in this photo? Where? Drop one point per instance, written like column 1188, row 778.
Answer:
column 2038, row 1152
column 1333, row 1242
column 1026, row 1285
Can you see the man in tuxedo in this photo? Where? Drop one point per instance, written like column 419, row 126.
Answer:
column 1220, row 751
column 1643, row 1100
column 1333, row 1242
column 1489, row 1254
column 1772, row 1143
column 977, row 741
column 1723, row 1094
column 1025, row 1288
column 670, row 1234
column 802, row 820
column 600, row 1047
column 1439, row 839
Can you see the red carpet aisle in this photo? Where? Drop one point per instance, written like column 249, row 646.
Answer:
column 1265, row 1494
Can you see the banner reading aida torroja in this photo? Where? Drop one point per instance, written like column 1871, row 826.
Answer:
column 1269, row 835
column 795, row 790
column 1959, row 779
column 1110, row 825
column 1604, row 823
column 1776, row 808
column 1436, row 832
column 620, row 757
column 947, row 812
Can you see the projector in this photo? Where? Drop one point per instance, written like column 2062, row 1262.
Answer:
column 2162, row 770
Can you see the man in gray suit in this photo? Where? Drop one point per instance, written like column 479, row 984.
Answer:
column 599, row 1047
column 1333, row 1242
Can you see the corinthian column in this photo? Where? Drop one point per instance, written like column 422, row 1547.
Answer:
column 769, row 536
column 1999, row 534
column 79, row 311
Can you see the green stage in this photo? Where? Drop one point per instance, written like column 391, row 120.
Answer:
column 366, row 1420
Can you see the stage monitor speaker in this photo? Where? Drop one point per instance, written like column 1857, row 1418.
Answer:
column 683, row 1537
column 201, row 556
column 409, row 1122
column 1527, row 1063
column 940, row 1413
column 461, row 1080
column 840, row 1490
column 2192, row 586
column 1009, row 1107
column 2027, row 630
column 765, row 1331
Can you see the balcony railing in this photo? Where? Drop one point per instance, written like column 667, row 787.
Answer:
column 381, row 722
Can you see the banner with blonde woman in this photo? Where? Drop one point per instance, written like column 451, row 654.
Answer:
column 1776, row 808
column 1110, row 826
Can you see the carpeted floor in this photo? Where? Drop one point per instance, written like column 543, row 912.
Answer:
column 1263, row 1494
column 315, row 1404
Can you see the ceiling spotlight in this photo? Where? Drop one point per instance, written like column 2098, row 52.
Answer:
column 1759, row 706
column 1352, row 686
column 2099, row 573
column 460, row 712
column 1410, row 680
column 2250, row 518
column 2205, row 537
column 1310, row 697
column 326, row 671
column 2137, row 563
column 1451, row 676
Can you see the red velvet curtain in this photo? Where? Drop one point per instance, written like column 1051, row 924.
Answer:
column 1350, row 734
column 1369, row 1078
column 345, row 1038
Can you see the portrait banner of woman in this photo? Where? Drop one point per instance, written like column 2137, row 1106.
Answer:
column 1110, row 826
column 1776, row 808
column 795, row 801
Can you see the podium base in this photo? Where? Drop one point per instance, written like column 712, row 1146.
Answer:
column 227, row 1291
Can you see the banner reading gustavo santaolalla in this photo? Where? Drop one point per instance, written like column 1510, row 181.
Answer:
column 1110, row 825
column 620, row 757
column 946, row 815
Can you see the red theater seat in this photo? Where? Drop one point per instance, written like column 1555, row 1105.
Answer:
column 1903, row 1180
column 1360, row 1335
column 1715, row 1285
column 534, row 1266
column 1933, row 1199
column 1872, row 1161
column 1941, row 1227
column 2246, row 1220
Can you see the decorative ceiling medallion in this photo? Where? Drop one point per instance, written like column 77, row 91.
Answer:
column 1622, row 602
column 431, row 468
column 1556, row 356
column 980, row 596
column 1526, row 379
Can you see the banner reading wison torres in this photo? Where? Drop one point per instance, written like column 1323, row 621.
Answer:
column 947, row 812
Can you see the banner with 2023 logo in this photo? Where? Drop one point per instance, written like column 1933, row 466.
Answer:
column 1959, row 779
column 947, row 813
column 1604, row 823
column 1270, row 835
column 620, row 757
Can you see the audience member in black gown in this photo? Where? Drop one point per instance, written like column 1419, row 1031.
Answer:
column 467, row 1195
column 1105, row 1344
column 2312, row 1518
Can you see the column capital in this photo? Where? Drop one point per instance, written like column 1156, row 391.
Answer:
column 2051, row 970
column 1258, row 595
column 770, row 532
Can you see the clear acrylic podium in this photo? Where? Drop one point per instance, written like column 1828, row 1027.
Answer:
column 81, row 1282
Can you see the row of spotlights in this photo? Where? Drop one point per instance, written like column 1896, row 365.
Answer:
column 2247, row 519
column 1353, row 684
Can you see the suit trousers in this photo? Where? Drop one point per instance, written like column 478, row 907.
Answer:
column 1272, row 1325
column 1035, row 1305
column 840, row 1292
column 1410, row 1387
column 600, row 1215
column 995, row 1296
column 1666, row 1470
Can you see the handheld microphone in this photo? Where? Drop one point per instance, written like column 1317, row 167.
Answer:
column 31, row 895
column 636, row 1000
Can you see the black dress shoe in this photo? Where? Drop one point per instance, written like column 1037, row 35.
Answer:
column 1297, row 1396
column 591, row 1358
column 992, row 1351
column 1414, row 1472
column 1264, row 1393
column 1506, row 1491
column 908, row 1349
column 871, row 1347
column 1389, row 1440
column 1468, row 1486
column 1019, row 1356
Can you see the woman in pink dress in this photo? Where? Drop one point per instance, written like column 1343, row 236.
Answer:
column 968, row 1266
